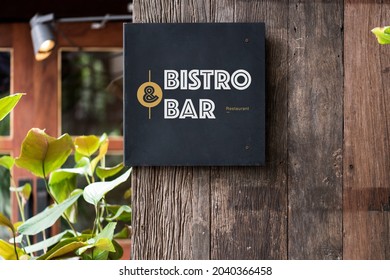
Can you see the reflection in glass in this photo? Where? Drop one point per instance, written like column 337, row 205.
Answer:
column 92, row 93
column 5, row 87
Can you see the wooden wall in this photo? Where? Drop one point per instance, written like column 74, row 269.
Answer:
column 325, row 191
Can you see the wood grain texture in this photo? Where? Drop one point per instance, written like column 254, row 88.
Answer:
column 6, row 35
column 367, row 143
column 315, row 129
column 171, row 204
column 249, row 204
column 36, row 105
column 313, row 191
column 246, row 204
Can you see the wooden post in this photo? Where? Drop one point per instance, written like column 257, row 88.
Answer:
column 367, row 154
column 244, row 212
column 219, row 213
column 315, row 126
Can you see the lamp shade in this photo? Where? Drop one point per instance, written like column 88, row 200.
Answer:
column 42, row 38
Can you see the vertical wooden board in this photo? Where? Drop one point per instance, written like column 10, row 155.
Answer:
column 5, row 35
column 249, row 204
column 38, row 108
column 171, row 218
column 367, row 143
column 162, row 213
column 315, row 129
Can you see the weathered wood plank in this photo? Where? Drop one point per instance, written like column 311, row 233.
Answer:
column 249, row 204
column 315, row 129
column 265, row 217
column 171, row 205
column 366, row 152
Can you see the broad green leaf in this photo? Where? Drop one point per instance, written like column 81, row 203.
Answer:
column 63, row 248
column 118, row 251
column 107, row 232
column 119, row 213
column 7, row 251
column 48, row 217
column 103, row 244
column 4, row 221
column 8, row 103
column 45, row 243
column 382, row 34
column 123, row 234
column 62, row 184
column 94, row 192
column 84, row 164
column 42, row 154
column 102, row 248
column 7, row 162
column 87, row 145
column 105, row 172
column 25, row 190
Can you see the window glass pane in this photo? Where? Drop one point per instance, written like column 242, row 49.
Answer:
column 92, row 92
column 5, row 87
column 5, row 205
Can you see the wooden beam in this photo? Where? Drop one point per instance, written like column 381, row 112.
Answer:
column 367, row 142
column 315, row 129
column 219, row 213
column 249, row 204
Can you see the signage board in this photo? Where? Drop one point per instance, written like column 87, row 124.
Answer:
column 194, row 94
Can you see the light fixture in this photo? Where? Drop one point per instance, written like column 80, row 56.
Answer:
column 42, row 35
column 42, row 30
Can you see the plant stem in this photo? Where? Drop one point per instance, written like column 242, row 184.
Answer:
column 52, row 197
column 96, row 222
column 87, row 178
column 21, row 208
column 21, row 211
column 16, row 251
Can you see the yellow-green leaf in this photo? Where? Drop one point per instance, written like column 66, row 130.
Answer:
column 119, row 213
column 382, row 34
column 8, row 103
column 42, row 154
column 25, row 190
column 124, row 233
column 105, row 172
column 87, row 145
column 61, row 184
column 63, row 248
column 4, row 221
column 7, row 251
column 102, row 152
column 7, row 161
column 102, row 248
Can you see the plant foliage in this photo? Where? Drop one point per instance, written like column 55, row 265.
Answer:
column 43, row 156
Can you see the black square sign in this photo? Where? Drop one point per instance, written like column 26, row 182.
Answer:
column 194, row 94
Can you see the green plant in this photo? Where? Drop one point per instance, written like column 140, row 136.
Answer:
column 382, row 34
column 43, row 156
